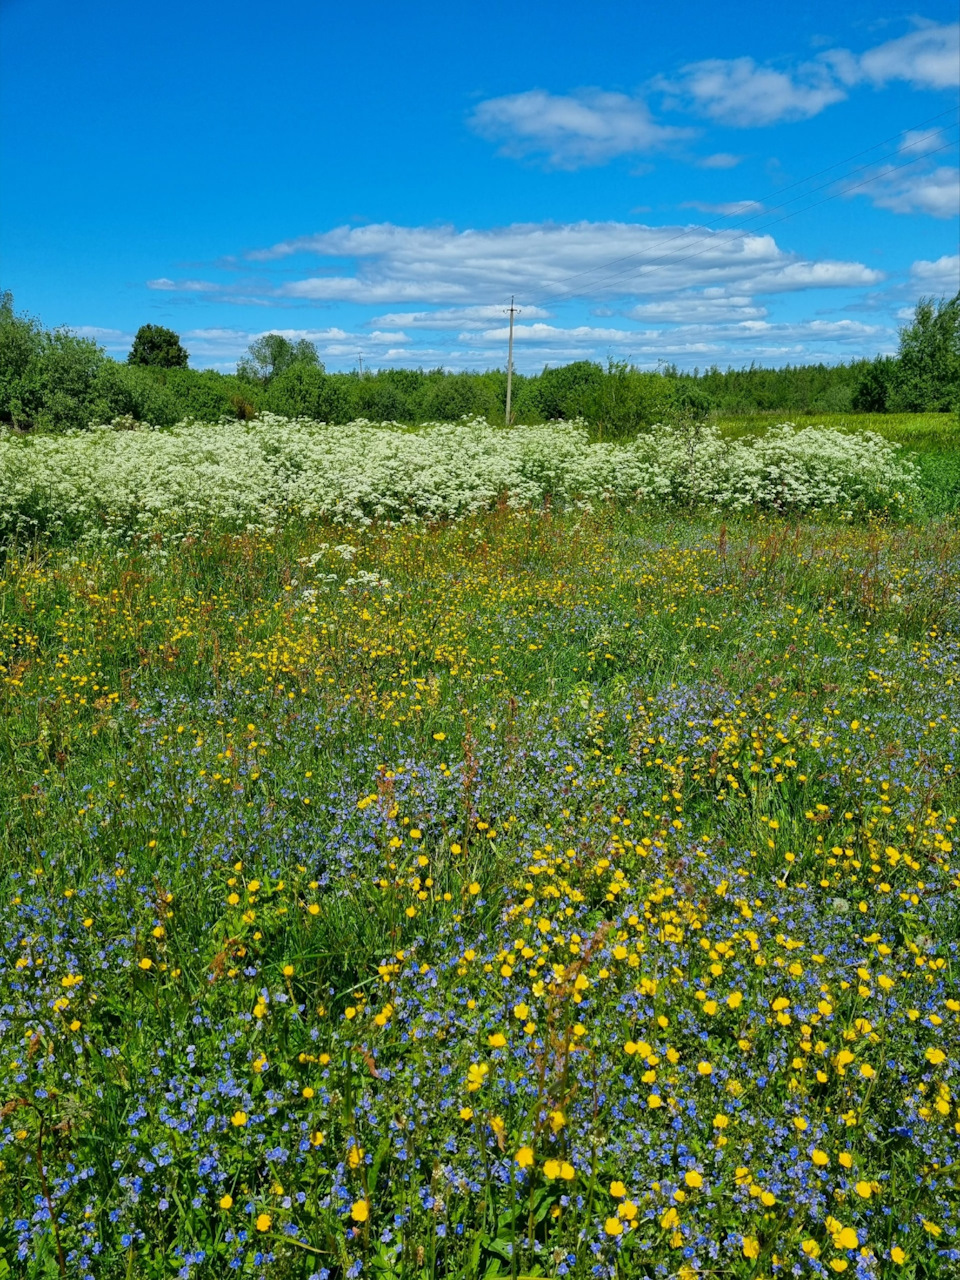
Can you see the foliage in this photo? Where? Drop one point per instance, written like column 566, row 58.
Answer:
column 47, row 378
column 534, row 895
column 928, row 368
column 112, row 483
column 158, row 348
column 272, row 354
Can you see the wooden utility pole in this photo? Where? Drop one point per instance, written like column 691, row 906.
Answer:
column 511, row 311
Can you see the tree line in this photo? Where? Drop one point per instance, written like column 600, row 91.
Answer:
column 53, row 380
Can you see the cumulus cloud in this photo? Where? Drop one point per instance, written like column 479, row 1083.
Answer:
column 934, row 191
column 939, row 276
column 927, row 58
column 591, row 126
column 570, row 130
column 739, row 92
column 446, row 266
column 708, row 306
column 917, row 142
column 681, row 291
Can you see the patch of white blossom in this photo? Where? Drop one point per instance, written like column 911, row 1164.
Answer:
column 110, row 483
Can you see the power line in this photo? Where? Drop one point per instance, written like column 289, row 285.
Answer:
column 772, row 222
column 741, row 221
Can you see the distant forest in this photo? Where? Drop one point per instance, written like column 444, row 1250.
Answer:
column 52, row 380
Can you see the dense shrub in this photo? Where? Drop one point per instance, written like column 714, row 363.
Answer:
column 271, row 469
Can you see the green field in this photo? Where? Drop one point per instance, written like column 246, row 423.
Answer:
column 530, row 895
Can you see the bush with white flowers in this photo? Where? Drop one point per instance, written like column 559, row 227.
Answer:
column 109, row 482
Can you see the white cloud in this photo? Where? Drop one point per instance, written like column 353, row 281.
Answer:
column 538, row 261
column 586, row 127
column 707, row 306
column 452, row 317
column 591, row 126
column 110, row 337
column 927, row 59
column 182, row 286
column 934, row 191
column 729, row 208
column 917, row 142
column 719, row 160
column 738, row 92
column 747, row 339
column 332, row 341
column 940, row 276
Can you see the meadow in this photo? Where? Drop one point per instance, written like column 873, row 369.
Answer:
column 541, row 865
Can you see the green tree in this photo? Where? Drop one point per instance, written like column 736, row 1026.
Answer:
column 21, row 344
column 272, row 353
column 157, row 347
column 872, row 392
column 927, row 378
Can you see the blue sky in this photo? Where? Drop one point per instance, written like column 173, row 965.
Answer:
column 692, row 182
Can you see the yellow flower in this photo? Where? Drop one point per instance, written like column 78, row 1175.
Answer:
column 239, row 1118
column 819, row 1157
column 439, row 737
column 811, row 1248
column 751, row 1247
column 551, row 1169
column 613, row 1226
column 567, row 1172
column 846, row 1159
column 307, row 1091
column 496, row 1041
column 864, row 1190
column 355, row 1156
column 693, row 1179
column 521, row 1011
column 466, row 1113
column 627, row 1211
column 670, row 1219
column 654, row 1101
column 720, row 1121
column 474, row 888
column 524, row 1157
column 476, row 1074
column 897, row 1255
column 704, row 1068
column 360, row 1211
column 735, row 999
column 845, row 1238
column 146, row 963
column 618, row 1190
column 935, row 1056
column 263, row 1222
column 226, row 1202
column 557, row 1121
column 288, row 970
column 839, row 1264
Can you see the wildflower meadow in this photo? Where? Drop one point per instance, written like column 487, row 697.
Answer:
column 477, row 853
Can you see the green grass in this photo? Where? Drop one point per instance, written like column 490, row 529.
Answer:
column 581, row 900
column 935, row 432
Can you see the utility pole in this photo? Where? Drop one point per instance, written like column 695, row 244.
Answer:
column 512, row 311
column 360, row 357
